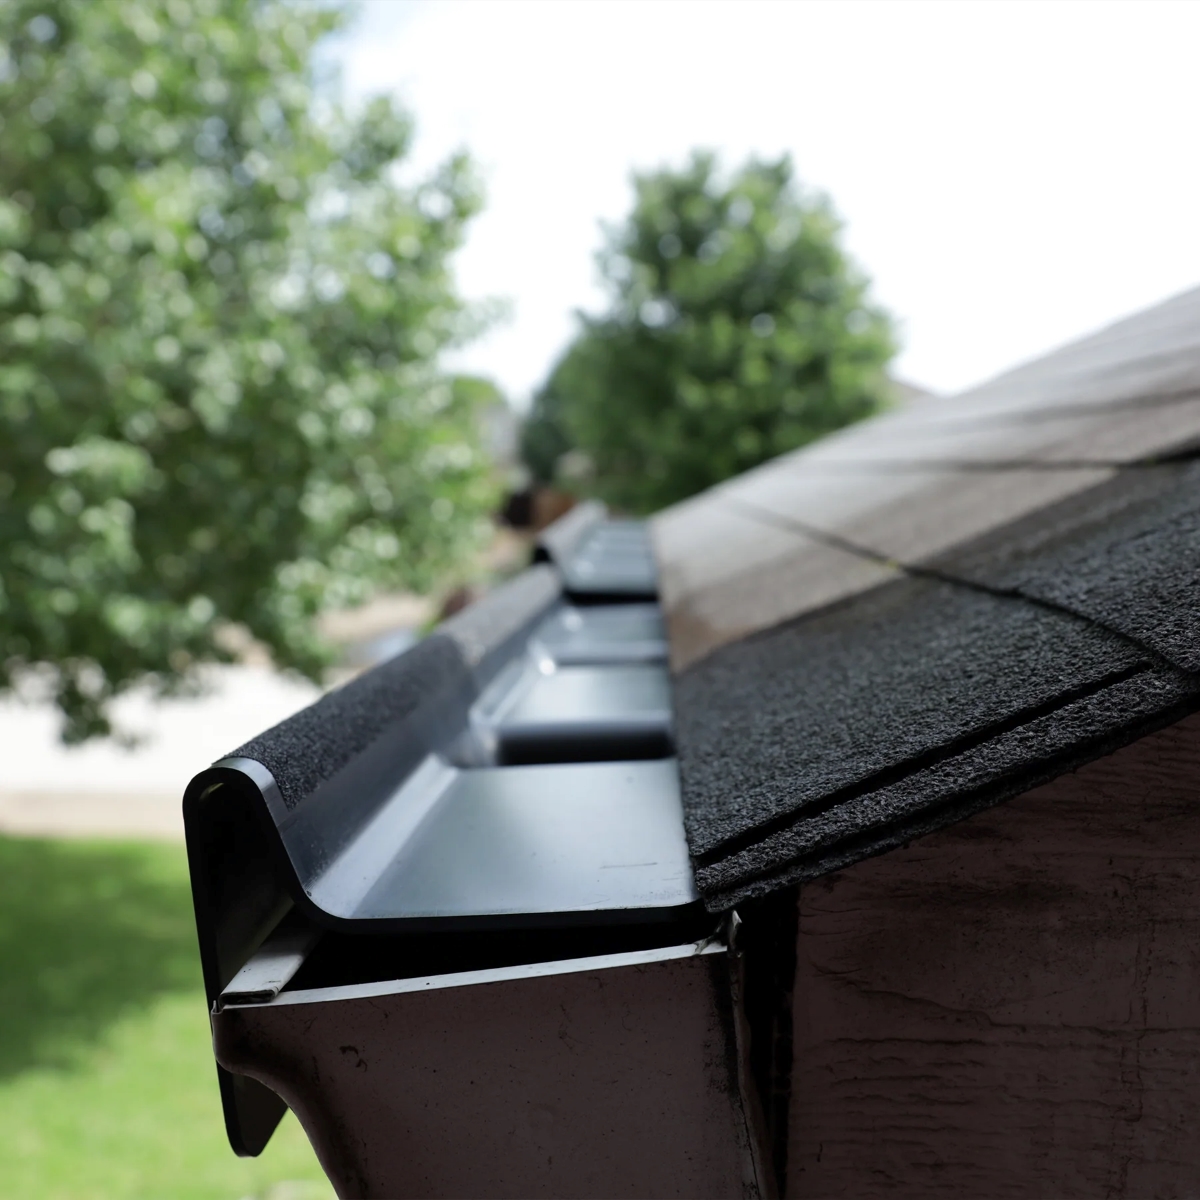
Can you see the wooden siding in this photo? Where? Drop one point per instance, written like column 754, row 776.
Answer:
column 1011, row 1007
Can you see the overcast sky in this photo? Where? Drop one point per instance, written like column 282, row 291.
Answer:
column 1011, row 175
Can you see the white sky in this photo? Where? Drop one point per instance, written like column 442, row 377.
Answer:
column 1011, row 175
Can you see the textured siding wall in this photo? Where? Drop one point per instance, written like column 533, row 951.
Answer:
column 1011, row 1007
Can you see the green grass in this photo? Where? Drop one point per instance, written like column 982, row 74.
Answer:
column 107, row 1085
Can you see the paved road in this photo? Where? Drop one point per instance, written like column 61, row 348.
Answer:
column 102, row 789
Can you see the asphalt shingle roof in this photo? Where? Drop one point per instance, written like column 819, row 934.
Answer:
column 938, row 609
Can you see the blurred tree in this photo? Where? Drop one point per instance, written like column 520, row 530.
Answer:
column 219, row 316
column 738, row 330
column 544, row 437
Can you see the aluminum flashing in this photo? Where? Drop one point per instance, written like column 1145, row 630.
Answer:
column 607, row 560
column 489, row 635
column 459, row 979
column 559, row 542
column 578, row 714
column 385, row 839
column 598, row 634
column 499, row 842
column 617, row 692
column 510, row 775
column 272, row 966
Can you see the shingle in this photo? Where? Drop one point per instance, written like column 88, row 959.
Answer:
column 886, row 708
column 907, row 514
column 932, row 477
column 724, row 574
column 998, row 767
column 1125, row 554
column 1134, row 430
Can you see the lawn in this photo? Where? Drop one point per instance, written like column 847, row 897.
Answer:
column 107, row 1085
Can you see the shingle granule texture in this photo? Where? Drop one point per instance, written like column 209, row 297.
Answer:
column 418, row 699
column 488, row 632
column 1125, row 554
column 842, row 733
column 413, row 695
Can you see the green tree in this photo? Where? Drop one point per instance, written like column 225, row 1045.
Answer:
column 219, row 322
column 738, row 329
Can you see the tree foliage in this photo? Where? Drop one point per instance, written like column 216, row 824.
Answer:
column 219, row 316
column 738, row 329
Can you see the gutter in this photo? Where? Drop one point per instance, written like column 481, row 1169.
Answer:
column 451, row 906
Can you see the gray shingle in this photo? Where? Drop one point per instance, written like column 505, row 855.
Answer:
column 1125, row 554
column 842, row 732
column 928, row 479
column 1045, row 531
